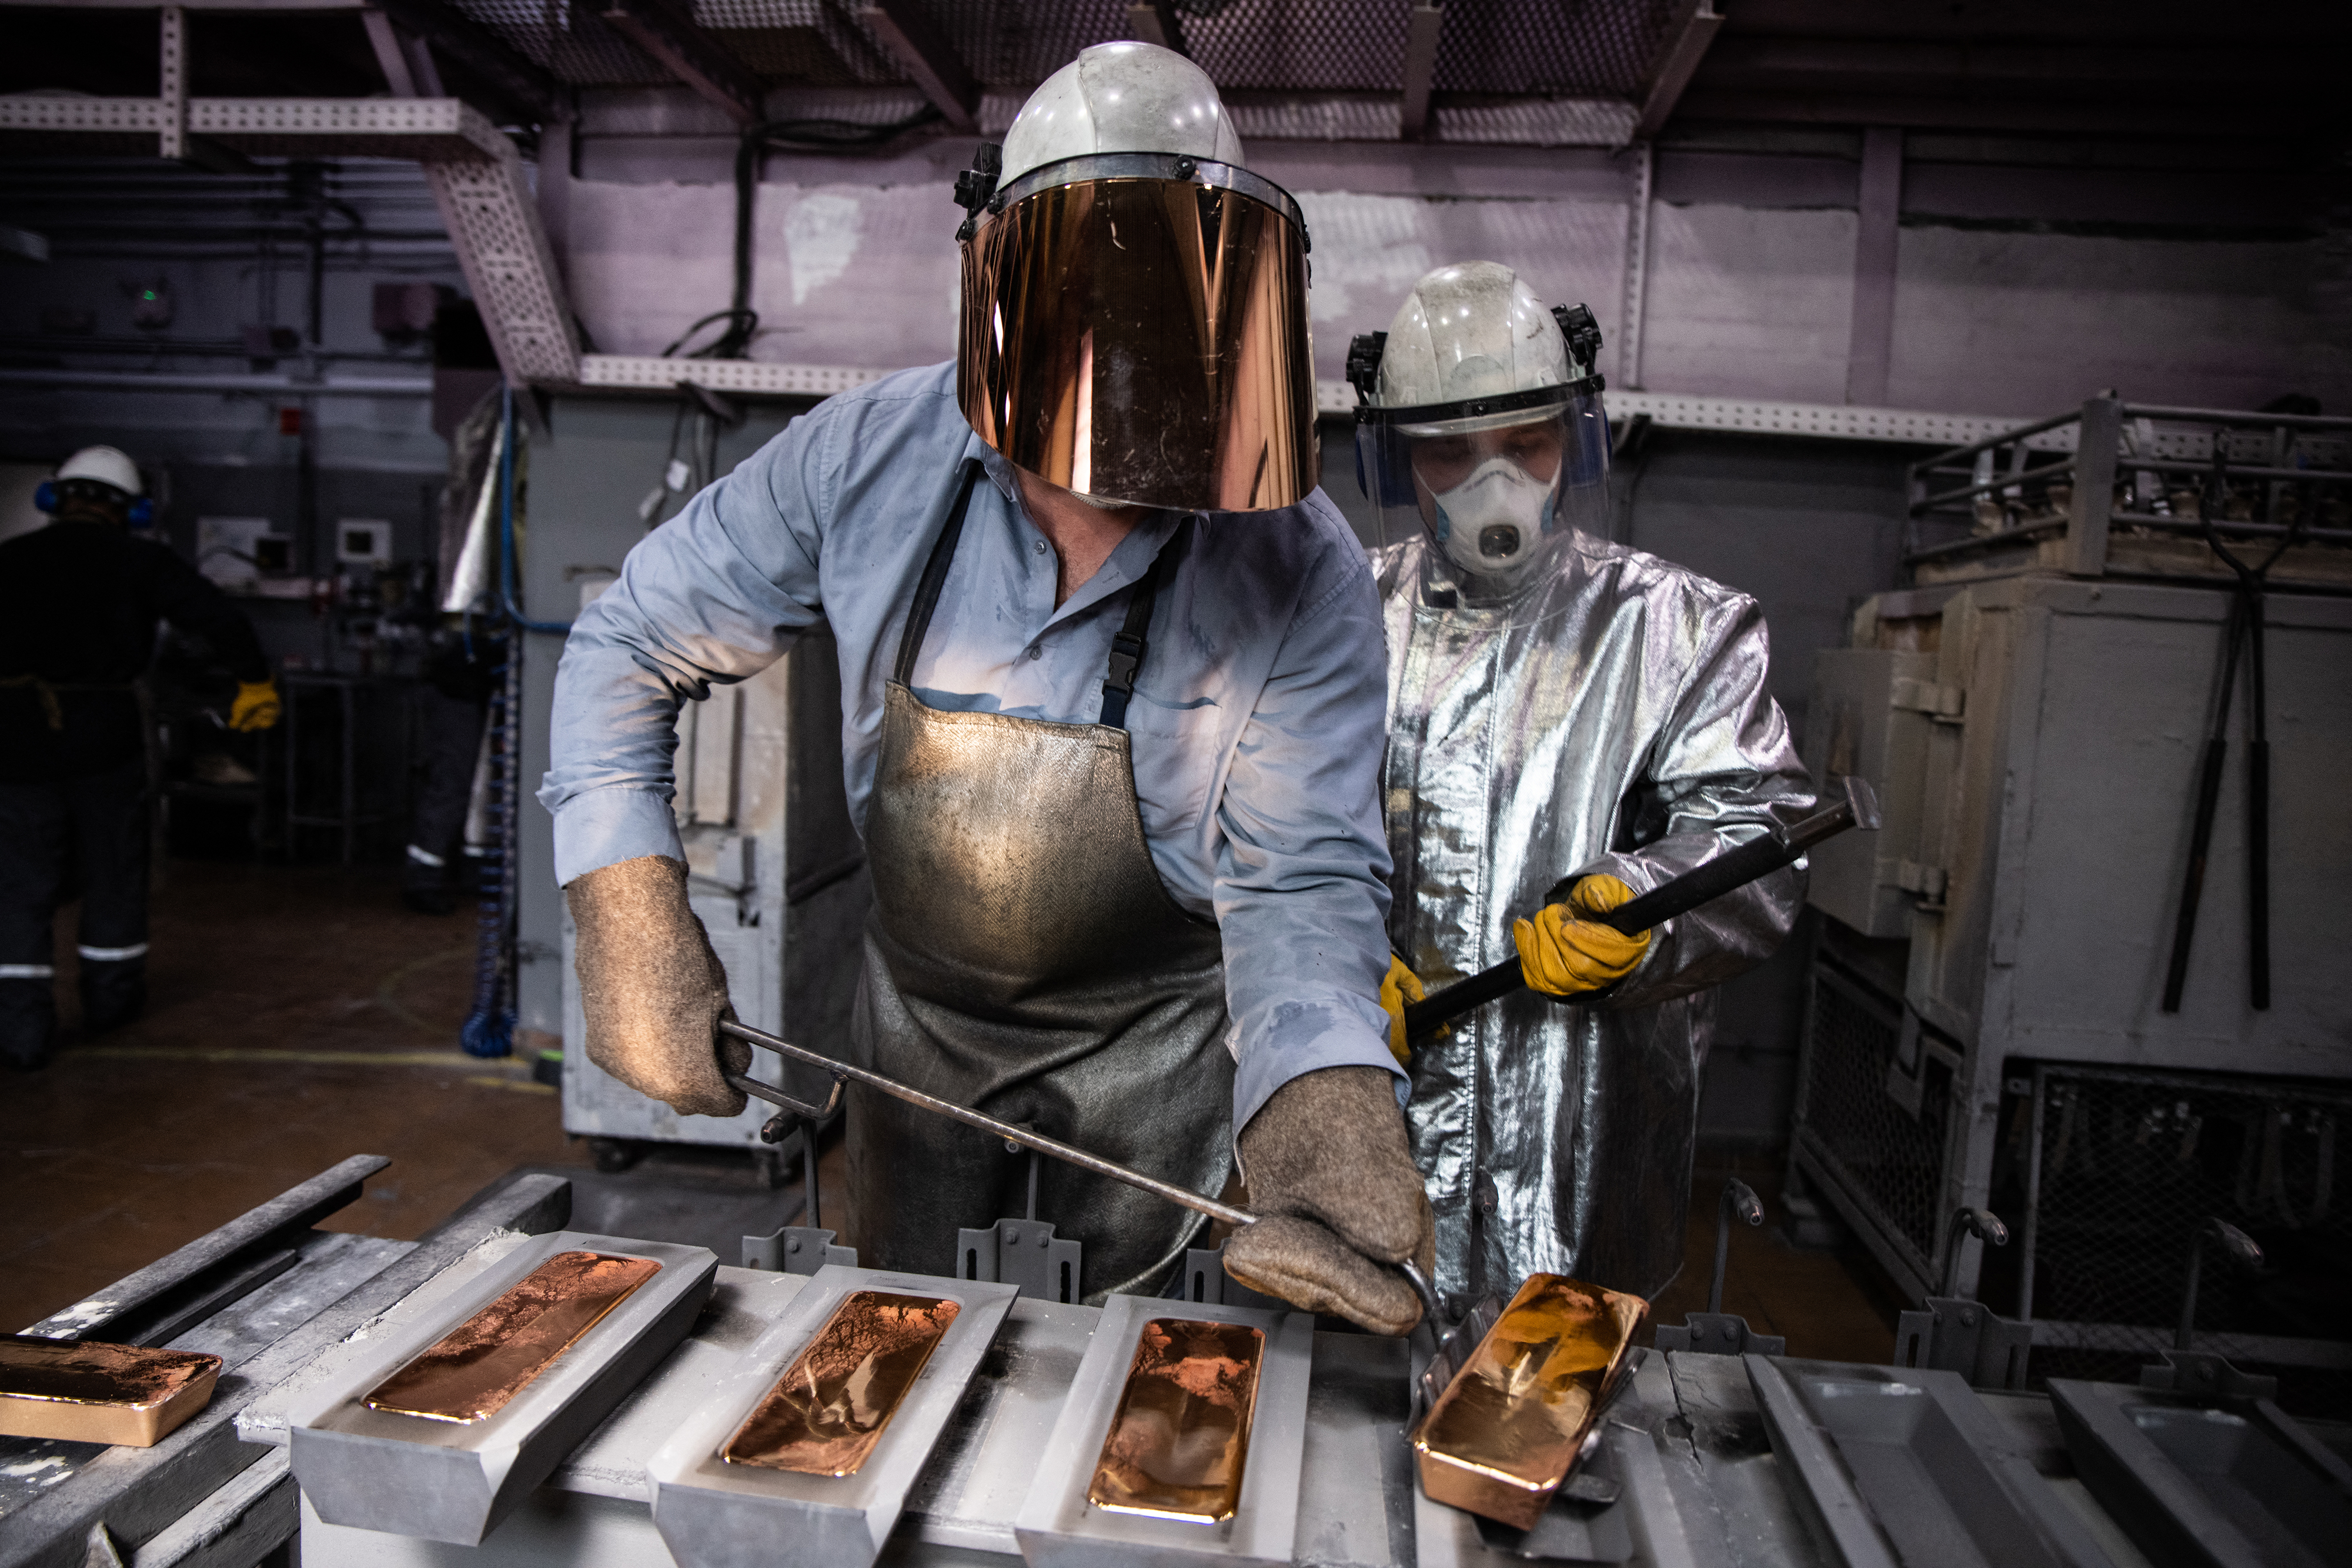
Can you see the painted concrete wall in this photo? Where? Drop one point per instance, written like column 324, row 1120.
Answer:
column 1751, row 282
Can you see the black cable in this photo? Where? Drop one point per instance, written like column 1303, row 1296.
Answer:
column 834, row 135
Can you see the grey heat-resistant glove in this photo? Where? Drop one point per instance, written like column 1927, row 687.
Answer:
column 1339, row 1201
column 651, row 988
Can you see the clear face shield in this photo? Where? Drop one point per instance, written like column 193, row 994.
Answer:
column 1497, row 483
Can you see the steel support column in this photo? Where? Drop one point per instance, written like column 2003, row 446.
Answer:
column 1870, row 339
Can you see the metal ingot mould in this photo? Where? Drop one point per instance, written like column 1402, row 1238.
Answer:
column 1181, row 1440
column 805, row 1450
column 81, row 1393
column 1902, row 1465
column 446, row 1427
column 1511, row 1424
column 2216, row 1482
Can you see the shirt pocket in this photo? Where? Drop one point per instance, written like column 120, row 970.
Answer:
column 1179, row 752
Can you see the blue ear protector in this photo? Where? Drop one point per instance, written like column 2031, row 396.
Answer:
column 142, row 510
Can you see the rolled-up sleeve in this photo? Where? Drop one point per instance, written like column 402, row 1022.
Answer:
column 715, row 595
column 1723, row 772
column 1301, row 890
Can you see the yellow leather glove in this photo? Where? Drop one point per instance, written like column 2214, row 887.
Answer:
column 257, row 706
column 1402, row 985
column 1563, row 954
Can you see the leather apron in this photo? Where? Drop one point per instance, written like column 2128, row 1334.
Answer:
column 1023, row 957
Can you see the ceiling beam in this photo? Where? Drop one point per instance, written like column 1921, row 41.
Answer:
column 1423, row 25
column 500, row 65
column 405, row 59
column 690, row 55
column 1890, row 65
column 1694, row 29
column 929, row 61
column 2160, row 117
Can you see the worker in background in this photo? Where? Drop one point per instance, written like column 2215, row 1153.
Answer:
column 79, row 599
column 461, row 666
column 1558, row 705
column 1112, row 723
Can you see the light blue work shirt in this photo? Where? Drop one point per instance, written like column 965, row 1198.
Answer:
column 1257, row 721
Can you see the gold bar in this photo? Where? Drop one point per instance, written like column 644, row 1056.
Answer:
column 828, row 1412
column 1507, row 1431
column 82, row 1392
column 493, row 1355
column 1181, row 1435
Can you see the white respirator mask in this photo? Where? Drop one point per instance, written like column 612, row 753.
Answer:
column 1493, row 524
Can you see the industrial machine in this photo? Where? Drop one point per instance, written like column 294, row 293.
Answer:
column 2088, row 974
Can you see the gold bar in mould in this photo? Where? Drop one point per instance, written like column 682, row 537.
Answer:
column 1507, row 1431
column 474, row 1370
column 1179, row 1437
column 82, row 1392
column 828, row 1412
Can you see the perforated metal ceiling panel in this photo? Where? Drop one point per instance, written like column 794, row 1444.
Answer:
column 1508, row 48
column 1584, row 48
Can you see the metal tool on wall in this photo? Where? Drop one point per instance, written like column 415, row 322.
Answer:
column 2242, row 625
column 1716, row 1332
column 1724, row 873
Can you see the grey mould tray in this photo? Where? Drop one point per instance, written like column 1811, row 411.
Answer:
column 713, row 1514
column 1057, row 1528
column 1900, row 1466
column 2196, row 1487
column 440, row 1481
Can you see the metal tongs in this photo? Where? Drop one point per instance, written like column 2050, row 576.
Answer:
column 789, row 1109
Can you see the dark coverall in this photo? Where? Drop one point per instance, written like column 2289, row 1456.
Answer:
column 79, row 605
column 452, row 706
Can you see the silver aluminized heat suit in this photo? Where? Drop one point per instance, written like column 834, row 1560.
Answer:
column 1608, row 715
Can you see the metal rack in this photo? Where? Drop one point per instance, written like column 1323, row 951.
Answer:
column 2123, row 489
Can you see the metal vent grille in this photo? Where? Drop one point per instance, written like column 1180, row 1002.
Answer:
column 1529, row 46
column 2131, row 1163
column 1891, row 1163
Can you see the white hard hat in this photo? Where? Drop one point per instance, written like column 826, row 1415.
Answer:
column 1134, row 304
column 1482, row 424
column 1120, row 98
column 106, row 465
column 1470, row 331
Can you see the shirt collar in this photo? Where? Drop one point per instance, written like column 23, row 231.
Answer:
column 1129, row 560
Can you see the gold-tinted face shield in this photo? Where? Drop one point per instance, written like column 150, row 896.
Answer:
column 1135, row 330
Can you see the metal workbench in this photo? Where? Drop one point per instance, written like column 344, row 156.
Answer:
column 1705, row 1481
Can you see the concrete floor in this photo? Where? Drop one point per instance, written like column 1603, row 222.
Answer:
column 300, row 1015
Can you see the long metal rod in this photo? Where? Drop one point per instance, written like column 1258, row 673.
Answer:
column 1182, row 1196
column 1732, row 869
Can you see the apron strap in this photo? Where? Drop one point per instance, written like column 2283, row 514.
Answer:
column 1127, row 644
column 934, row 578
